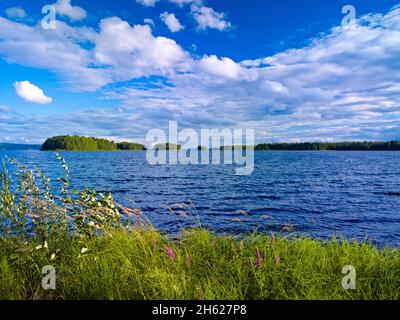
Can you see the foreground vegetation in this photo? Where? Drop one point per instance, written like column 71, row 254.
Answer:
column 101, row 250
column 143, row 264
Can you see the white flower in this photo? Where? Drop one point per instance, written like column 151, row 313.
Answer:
column 84, row 250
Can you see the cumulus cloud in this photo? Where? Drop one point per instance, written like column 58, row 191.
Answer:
column 119, row 43
column 172, row 22
column 147, row 3
column 343, row 86
column 224, row 67
column 31, row 93
column 59, row 51
column 16, row 13
column 65, row 8
column 208, row 18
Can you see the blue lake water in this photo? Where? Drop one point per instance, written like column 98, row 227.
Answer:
column 353, row 194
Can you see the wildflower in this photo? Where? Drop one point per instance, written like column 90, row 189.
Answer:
column 259, row 259
column 53, row 256
column 46, row 246
column 277, row 259
column 39, row 247
column 84, row 250
column 91, row 224
column 170, row 253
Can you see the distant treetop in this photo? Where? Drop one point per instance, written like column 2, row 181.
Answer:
column 334, row 146
column 78, row 143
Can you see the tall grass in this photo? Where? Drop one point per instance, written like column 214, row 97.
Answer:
column 104, row 251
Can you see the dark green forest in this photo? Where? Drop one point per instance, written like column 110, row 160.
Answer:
column 130, row 146
column 168, row 146
column 78, row 143
column 338, row 146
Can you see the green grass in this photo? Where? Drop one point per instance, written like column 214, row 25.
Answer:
column 134, row 264
column 101, row 250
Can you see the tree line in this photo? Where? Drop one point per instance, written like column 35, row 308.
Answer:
column 334, row 146
column 78, row 143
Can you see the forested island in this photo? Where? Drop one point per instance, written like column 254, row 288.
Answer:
column 78, row 143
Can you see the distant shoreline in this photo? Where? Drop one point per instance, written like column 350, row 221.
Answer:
column 77, row 143
column 283, row 150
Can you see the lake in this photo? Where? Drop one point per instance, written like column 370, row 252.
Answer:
column 320, row 194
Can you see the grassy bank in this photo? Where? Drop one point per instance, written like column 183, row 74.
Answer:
column 142, row 264
column 104, row 251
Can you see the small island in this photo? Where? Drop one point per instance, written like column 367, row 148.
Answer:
column 78, row 143
column 168, row 146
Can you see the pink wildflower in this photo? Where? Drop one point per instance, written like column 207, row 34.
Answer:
column 170, row 253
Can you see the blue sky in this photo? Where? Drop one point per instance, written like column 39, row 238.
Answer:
column 118, row 68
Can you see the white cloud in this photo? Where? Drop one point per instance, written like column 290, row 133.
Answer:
column 147, row 3
column 208, row 18
column 149, row 21
column 59, row 51
column 224, row 67
column 172, row 22
column 64, row 7
column 31, row 93
column 16, row 13
column 134, row 51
